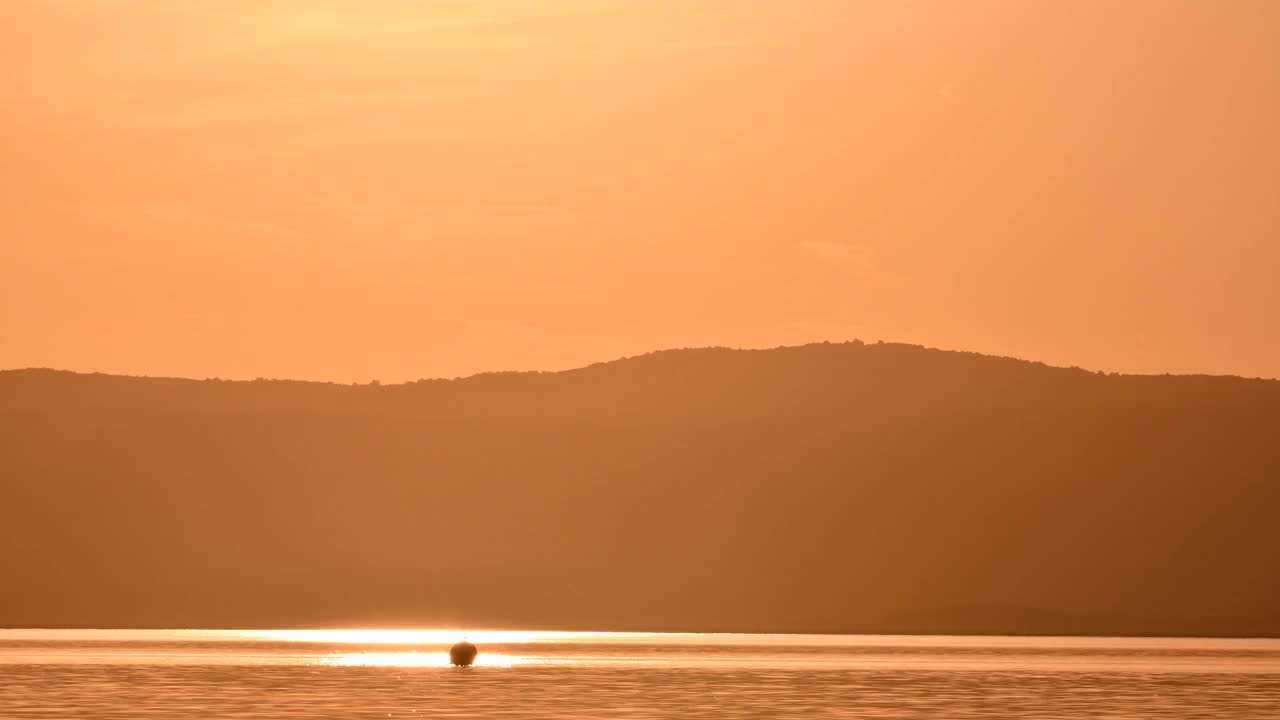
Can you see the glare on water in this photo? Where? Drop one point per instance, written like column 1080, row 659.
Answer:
column 420, row 660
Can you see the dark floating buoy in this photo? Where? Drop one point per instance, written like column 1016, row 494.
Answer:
column 463, row 654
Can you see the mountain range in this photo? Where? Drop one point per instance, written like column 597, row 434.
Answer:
column 846, row 487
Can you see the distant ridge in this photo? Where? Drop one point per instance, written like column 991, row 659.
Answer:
column 826, row 487
column 922, row 379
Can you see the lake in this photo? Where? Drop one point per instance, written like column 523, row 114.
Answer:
column 405, row 674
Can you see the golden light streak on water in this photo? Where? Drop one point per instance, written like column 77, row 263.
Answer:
column 423, row 660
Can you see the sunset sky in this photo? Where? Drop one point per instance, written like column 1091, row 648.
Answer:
column 356, row 189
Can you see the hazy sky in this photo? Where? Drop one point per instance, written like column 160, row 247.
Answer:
column 357, row 189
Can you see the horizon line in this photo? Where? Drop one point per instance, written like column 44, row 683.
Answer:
column 624, row 358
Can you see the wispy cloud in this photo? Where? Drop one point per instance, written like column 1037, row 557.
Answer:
column 195, row 217
column 859, row 262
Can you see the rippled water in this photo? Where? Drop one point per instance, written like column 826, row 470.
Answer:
column 357, row 674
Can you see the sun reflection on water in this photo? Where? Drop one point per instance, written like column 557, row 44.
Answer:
column 424, row 660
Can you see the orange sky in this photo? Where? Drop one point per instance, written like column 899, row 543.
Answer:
column 392, row 189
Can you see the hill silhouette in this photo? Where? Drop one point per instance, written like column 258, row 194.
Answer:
column 823, row 488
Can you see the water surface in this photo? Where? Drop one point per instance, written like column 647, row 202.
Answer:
column 359, row 673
